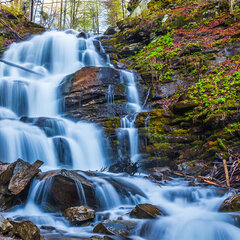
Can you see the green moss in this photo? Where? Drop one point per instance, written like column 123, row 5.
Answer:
column 160, row 146
column 221, row 144
column 181, row 131
column 112, row 123
column 231, row 204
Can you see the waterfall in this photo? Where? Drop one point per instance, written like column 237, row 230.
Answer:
column 43, row 133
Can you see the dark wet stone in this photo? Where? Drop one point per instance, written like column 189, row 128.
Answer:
column 146, row 211
column 117, row 227
column 15, row 181
column 79, row 215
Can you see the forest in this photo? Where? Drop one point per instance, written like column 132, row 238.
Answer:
column 87, row 16
column 119, row 119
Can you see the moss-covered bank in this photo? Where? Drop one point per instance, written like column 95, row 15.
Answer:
column 188, row 56
column 15, row 26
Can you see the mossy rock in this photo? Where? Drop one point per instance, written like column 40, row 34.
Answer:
column 111, row 123
column 183, row 106
column 231, row 204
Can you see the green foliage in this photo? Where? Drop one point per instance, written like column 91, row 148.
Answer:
column 115, row 11
column 217, row 92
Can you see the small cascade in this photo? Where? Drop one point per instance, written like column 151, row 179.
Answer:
column 147, row 128
column 18, row 139
column 40, row 194
column 107, row 194
column 127, row 122
column 81, row 193
column 110, row 94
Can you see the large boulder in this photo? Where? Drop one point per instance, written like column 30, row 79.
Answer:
column 23, row 174
column 146, row 211
column 231, row 204
column 79, row 215
column 115, row 227
column 63, row 191
column 15, row 181
column 24, row 230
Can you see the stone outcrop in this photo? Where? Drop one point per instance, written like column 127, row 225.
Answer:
column 88, row 91
column 15, row 181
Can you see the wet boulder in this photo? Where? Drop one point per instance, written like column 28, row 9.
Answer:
column 146, row 211
column 231, row 204
column 25, row 230
column 63, row 191
column 115, row 227
column 79, row 215
column 82, row 35
column 23, row 173
column 15, row 181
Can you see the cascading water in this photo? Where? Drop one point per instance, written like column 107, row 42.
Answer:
column 127, row 122
column 191, row 212
column 54, row 54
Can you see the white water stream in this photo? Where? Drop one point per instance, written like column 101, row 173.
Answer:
column 191, row 211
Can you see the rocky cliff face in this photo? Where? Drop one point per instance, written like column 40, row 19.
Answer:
column 88, row 91
column 188, row 56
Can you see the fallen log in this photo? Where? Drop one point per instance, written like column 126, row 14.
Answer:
column 226, row 172
column 21, row 67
